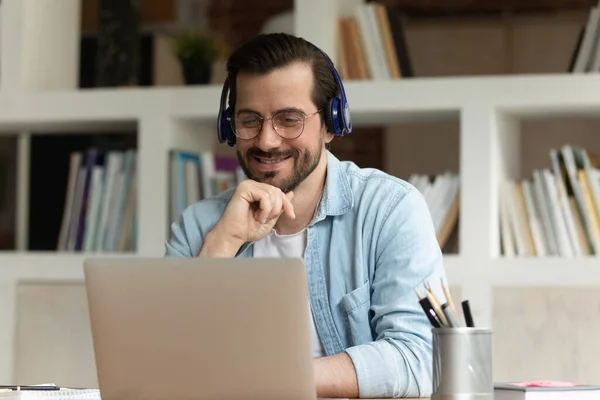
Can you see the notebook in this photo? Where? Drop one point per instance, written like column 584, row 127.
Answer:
column 545, row 390
column 61, row 394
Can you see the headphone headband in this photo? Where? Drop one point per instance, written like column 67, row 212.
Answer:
column 336, row 113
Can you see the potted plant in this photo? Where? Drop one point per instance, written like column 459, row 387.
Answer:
column 196, row 52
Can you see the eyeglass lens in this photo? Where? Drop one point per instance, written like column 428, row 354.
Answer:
column 288, row 124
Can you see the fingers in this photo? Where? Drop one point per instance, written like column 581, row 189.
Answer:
column 288, row 208
column 272, row 202
column 277, row 209
column 266, row 206
column 281, row 203
column 272, row 209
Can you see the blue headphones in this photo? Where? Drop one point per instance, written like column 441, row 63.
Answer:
column 337, row 113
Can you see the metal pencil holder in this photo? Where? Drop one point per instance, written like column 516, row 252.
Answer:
column 462, row 364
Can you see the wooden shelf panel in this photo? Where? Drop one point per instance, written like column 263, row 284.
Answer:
column 462, row 7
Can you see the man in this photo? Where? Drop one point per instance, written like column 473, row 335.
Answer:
column 366, row 237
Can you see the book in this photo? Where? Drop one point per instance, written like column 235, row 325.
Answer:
column 54, row 392
column 545, row 390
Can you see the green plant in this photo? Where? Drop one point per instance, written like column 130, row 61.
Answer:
column 196, row 48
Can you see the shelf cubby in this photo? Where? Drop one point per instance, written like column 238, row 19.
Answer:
column 105, row 181
column 549, row 191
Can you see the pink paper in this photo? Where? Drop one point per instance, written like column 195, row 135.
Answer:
column 544, row 384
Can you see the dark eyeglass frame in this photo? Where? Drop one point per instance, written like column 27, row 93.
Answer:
column 272, row 118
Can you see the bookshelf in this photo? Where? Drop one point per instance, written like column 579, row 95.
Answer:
column 487, row 109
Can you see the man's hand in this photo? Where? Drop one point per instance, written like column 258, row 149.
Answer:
column 252, row 212
column 335, row 377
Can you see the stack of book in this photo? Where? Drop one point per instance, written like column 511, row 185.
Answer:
column 441, row 193
column 100, row 205
column 556, row 212
column 196, row 176
column 372, row 45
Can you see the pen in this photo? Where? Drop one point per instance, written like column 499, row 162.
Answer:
column 429, row 311
column 467, row 314
column 452, row 322
column 26, row 387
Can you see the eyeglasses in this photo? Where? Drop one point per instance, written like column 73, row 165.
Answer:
column 288, row 124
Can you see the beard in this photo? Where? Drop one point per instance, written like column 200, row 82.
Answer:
column 305, row 163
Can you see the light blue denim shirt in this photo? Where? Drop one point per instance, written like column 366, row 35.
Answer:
column 370, row 244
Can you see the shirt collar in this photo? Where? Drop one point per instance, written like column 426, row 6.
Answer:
column 337, row 196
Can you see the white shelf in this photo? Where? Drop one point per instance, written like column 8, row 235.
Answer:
column 49, row 266
column 524, row 96
column 46, row 266
column 523, row 272
column 102, row 108
column 548, row 271
column 58, row 267
column 371, row 102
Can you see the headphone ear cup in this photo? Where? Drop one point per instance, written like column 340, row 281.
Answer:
column 337, row 124
column 225, row 133
column 338, row 106
column 328, row 117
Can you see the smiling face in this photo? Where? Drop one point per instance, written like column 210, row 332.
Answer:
column 268, row 157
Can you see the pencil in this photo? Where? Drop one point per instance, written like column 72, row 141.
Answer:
column 436, row 306
column 418, row 294
column 448, row 296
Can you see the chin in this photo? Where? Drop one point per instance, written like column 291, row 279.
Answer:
column 284, row 183
column 270, row 179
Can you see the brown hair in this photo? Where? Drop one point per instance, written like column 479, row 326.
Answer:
column 267, row 52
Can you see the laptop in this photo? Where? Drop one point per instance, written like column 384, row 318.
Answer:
column 202, row 328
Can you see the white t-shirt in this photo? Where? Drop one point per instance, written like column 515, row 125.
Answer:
column 288, row 246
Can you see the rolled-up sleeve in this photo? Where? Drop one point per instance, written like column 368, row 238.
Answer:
column 188, row 232
column 178, row 244
column 399, row 362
